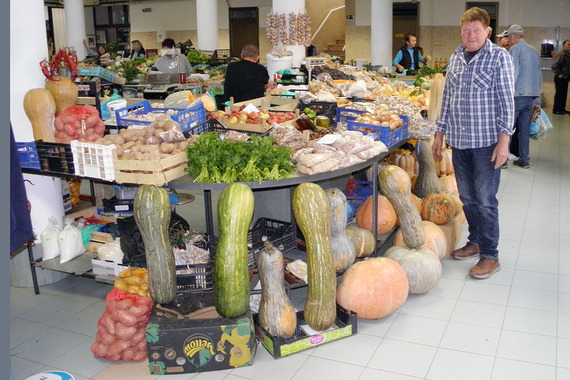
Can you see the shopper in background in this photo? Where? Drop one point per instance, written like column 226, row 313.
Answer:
column 561, row 68
column 504, row 40
column 409, row 57
column 171, row 62
column 247, row 79
column 528, row 84
column 101, row 54
column 137, row 50
column 477, row 118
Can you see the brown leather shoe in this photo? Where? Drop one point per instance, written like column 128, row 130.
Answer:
column 485, row 268
column 470, row 250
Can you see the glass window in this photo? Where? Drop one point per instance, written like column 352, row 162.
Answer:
column 119, row 15
column 102, row 16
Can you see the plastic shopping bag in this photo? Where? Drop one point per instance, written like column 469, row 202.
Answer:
column 70, row 242
column 49, row 238
column 544, row 127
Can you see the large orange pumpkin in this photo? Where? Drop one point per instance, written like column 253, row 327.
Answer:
column 438, row 208
column 436, row 241
column 385, row 217
column 457, row 201
column 373, row 288
column 448, row 184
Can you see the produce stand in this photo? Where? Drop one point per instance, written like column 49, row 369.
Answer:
column 187, row 183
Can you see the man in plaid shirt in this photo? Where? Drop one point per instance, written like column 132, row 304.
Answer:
column 477, row 118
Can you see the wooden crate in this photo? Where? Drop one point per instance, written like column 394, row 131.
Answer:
column 155, row 171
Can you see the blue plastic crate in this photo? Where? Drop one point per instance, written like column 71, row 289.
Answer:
column 344, row 115
column 380, row 133
column 96, row 71
column 187, row 118
column 28, row 155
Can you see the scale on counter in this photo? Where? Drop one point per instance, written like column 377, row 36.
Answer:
column 161, row 85
column 311, row 62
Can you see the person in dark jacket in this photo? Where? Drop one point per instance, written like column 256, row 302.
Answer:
column 246, row 79
column 561, row 68
column 409, row 56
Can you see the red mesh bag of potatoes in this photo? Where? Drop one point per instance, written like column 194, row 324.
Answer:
column 121, row 331
column 81, row 123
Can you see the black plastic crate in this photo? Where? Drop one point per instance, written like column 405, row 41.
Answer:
column 280, row 234
column 327, row 109
column 195, row 276
column 55, row 158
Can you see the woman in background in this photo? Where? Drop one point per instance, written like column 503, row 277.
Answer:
column 137, row 50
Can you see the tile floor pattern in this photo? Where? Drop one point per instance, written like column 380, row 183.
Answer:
column 515, row 325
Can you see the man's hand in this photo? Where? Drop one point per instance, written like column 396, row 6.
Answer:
column 436, row 146
column 501, row 151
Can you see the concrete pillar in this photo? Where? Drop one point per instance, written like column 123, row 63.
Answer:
column 28, row 47
column 207, row 24
column 289, row 6
column 75, row 26
column 381, row 32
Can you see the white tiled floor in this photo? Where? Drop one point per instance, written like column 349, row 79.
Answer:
column 515, row 325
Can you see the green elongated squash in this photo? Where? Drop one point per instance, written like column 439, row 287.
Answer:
column 396, row 185
column 344, row 252
column 427, row 181
column 312, row 213
column 277, row 314
column 152, row 214
column 231, row 273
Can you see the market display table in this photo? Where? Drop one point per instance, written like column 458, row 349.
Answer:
column 82, row 265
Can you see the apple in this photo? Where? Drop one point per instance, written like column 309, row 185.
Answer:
column 232, row 119
column 242, row 117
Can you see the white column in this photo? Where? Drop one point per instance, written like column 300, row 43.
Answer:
column 207, row 24
column 381, row 32
column 75, row 26
column 27, row 23
column 295, row 6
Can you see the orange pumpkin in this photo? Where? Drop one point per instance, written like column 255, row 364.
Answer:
column 436, row 241
column 385, row 217
column 457, row 201
column 373, row 288
column 448, row 184
column 438, row 208
column 406, row 162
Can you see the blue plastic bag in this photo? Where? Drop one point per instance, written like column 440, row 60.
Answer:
column 540, row 127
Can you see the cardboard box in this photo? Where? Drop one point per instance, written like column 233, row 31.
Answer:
column 188, row 336
column 452, row 231
column 106, row 268
column 344, row 325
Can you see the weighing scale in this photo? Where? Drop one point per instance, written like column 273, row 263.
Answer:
column 160, row 85
column 311, row 62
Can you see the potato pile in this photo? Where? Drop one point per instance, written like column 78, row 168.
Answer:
column 137, row 144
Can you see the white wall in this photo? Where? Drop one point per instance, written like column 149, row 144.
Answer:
column 181, row 15
column 527, row 13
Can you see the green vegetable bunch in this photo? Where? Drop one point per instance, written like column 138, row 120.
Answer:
column 427, row 71
column 195, row 57
column 213, row 160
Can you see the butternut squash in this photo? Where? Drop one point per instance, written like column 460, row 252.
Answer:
column 39, row 106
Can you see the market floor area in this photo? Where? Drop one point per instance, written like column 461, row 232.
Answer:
column 515, row 325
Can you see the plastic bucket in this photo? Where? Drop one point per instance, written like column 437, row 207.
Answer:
column 275, row 64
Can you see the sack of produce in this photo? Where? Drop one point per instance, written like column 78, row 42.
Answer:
column 80, row 123
column 49, row 240
column 121, row 331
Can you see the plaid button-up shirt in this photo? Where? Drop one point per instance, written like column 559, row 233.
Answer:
column 478, row 98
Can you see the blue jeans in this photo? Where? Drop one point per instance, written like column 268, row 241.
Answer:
column 523, row 112
column 478, row 183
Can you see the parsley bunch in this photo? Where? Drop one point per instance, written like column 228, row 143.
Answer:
column 213, row 160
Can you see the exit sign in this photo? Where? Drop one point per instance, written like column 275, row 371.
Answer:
column 146, row 9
